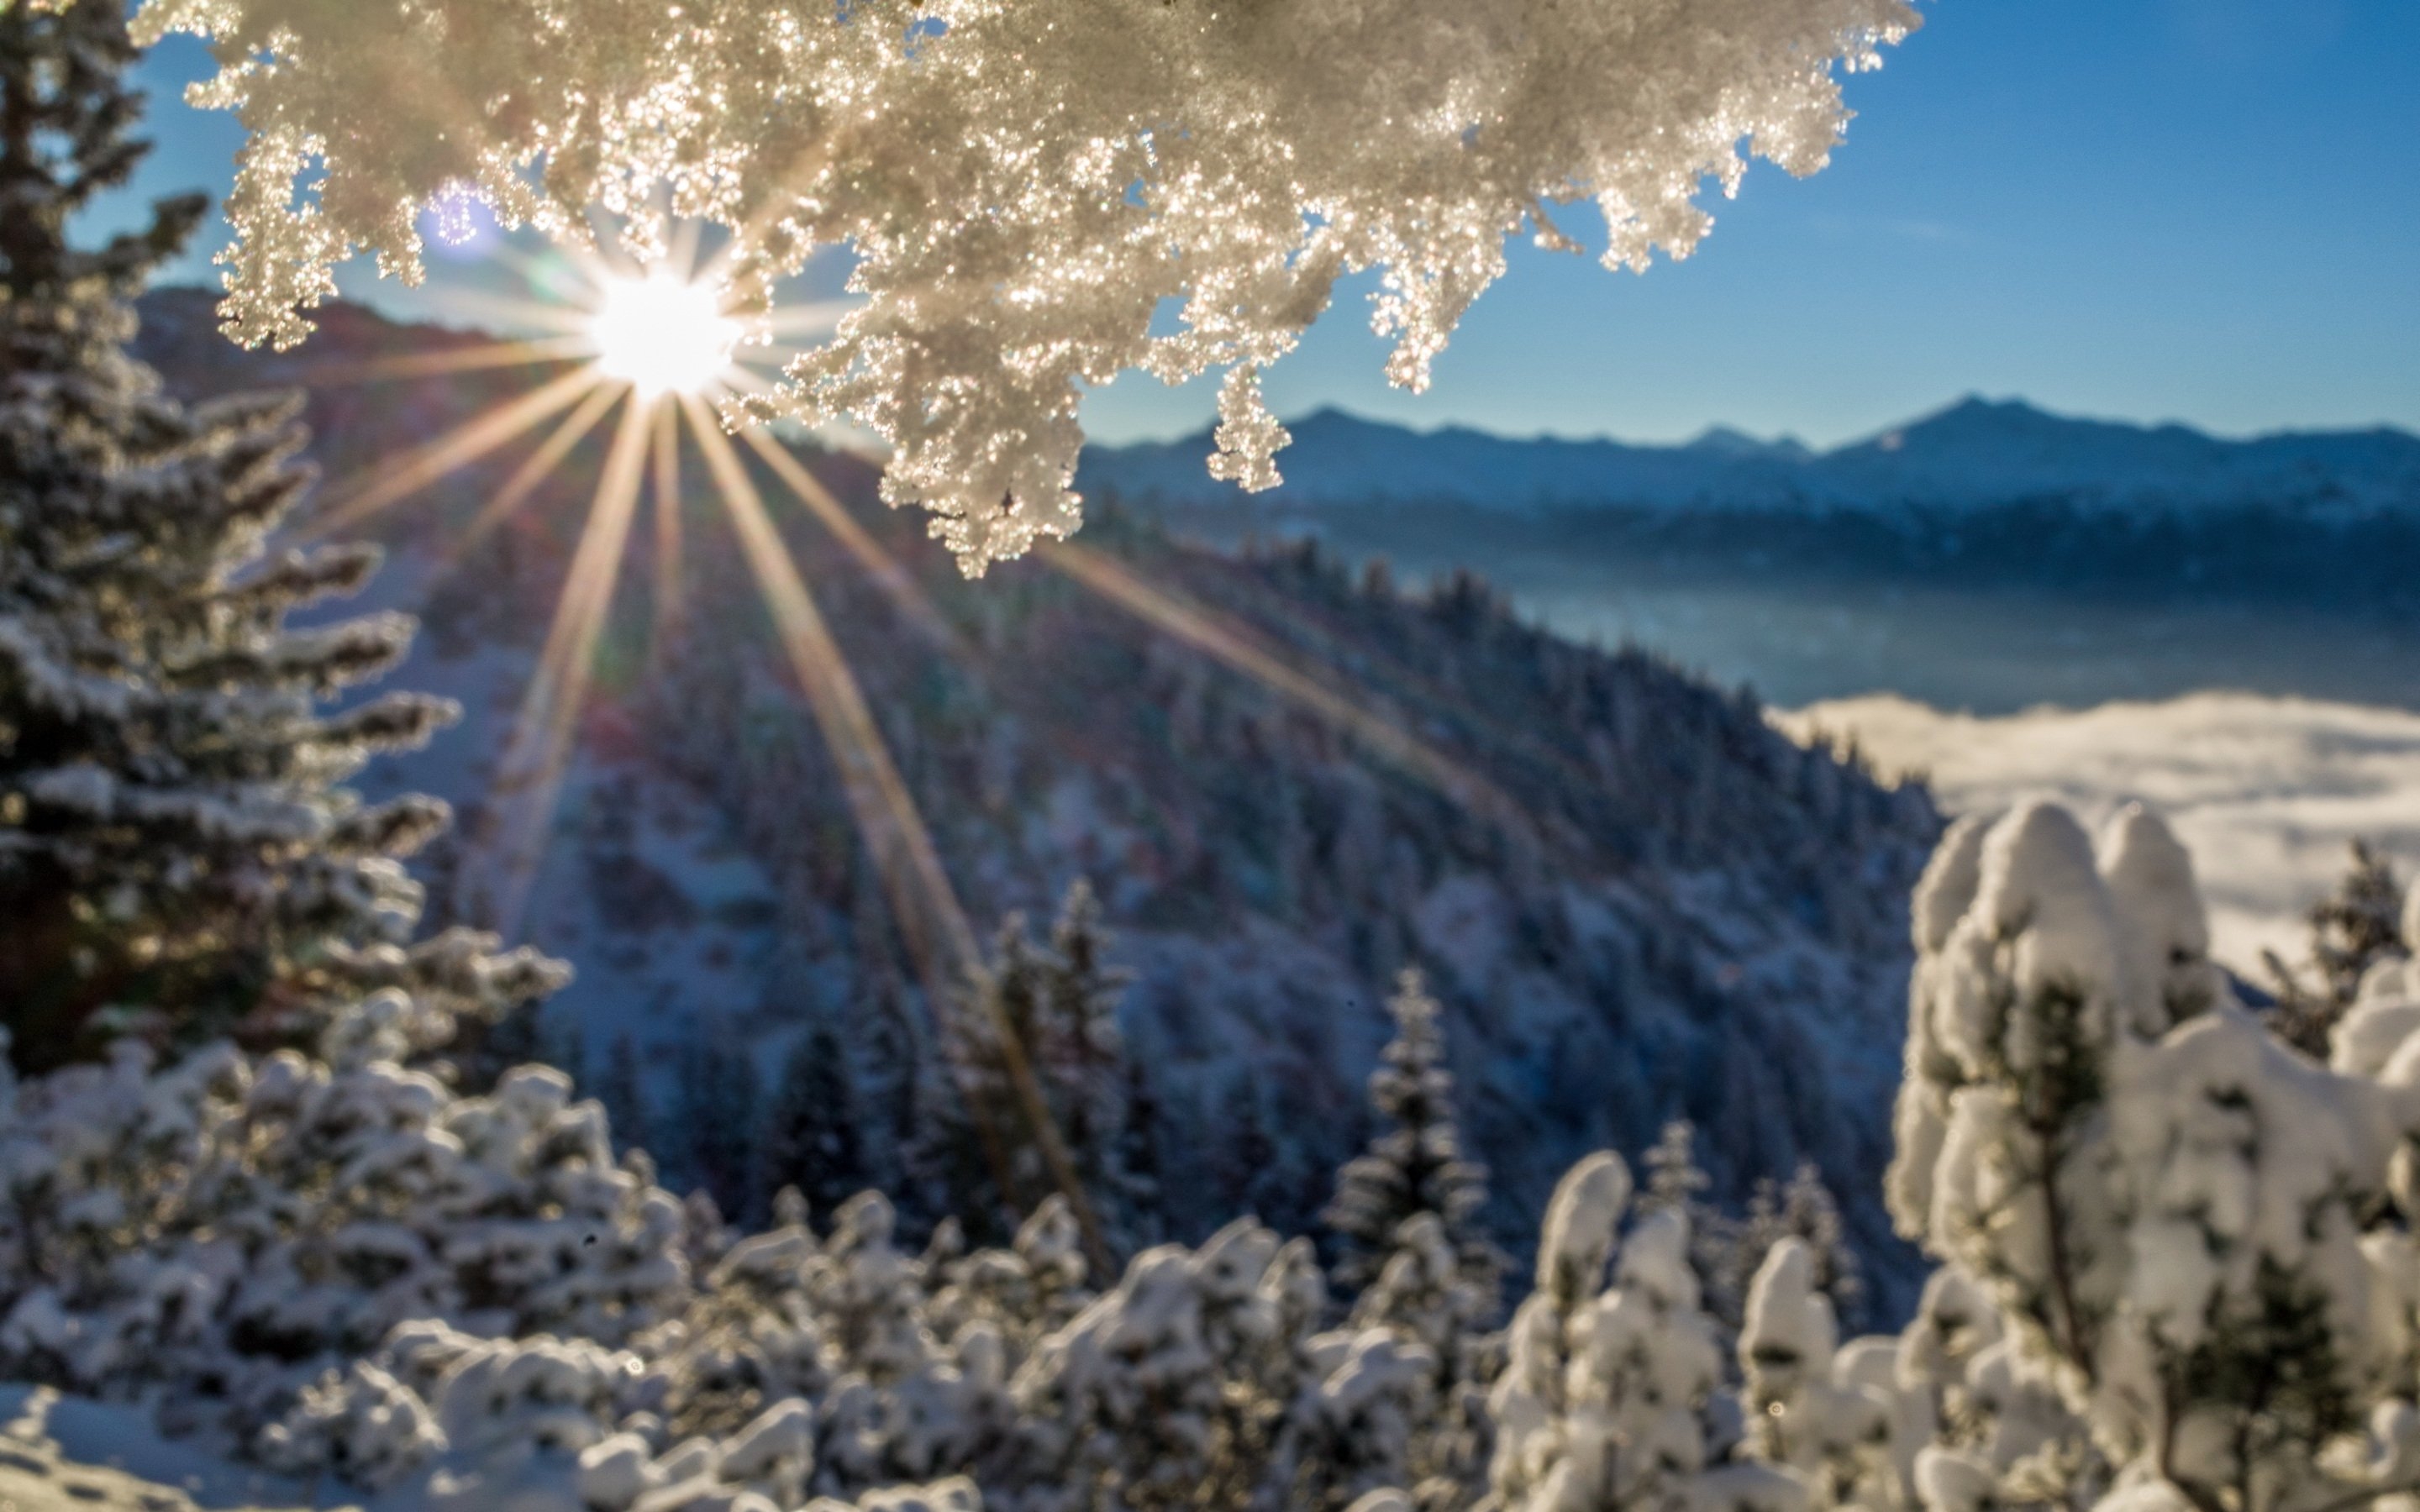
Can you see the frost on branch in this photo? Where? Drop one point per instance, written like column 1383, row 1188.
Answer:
column 1022, row 198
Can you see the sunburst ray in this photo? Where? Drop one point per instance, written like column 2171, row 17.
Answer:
column 894, row 579
column 670, row 568
column 399, row 479
column 534, row 471
column 559, row 319
column 531, row 776
column 1238, row 646
column 924, row 903
column 487, row 354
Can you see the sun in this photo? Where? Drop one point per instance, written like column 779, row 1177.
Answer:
column 658, row 345
column 663, row 334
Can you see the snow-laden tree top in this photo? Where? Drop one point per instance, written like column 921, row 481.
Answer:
column 1023, row 185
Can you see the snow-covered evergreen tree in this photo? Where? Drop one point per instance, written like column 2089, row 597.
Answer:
column 2182, row 1225
column 620, row 1088
column 716, row 1098
column 1720, row 1250
column 1801, row 1209
column 1060, row 998
column 1081, row 1055
column 1415, row 1164
column 1836, row 1432
column 1610, row 1400
column 1414, row 1262
column 177, row 857
column 1251, row 1171
column 1675, row 1180
column 2352, row 929
column 221, row 1229
column 1173, row 1390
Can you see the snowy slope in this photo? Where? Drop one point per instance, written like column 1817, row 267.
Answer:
column 1692, row 918
column 67, row 1453
column 1975, row 454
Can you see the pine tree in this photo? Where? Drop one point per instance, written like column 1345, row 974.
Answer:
column 620, row 1088
column 1674, row 1178
column 1138, row 1157
column 177, row 857
column 2352, row 929
column 1243, row 1158
column 716, row 1114
column 1081, row 1057
column 1676, row 1184
column 1060, row 998
column 1803, row 1209
column 1415, row 1164
column 812, row 1139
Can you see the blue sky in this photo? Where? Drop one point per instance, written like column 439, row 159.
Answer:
column 2205, row 210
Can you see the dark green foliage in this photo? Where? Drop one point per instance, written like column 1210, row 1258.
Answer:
column 620, row 1086
column 2272, row 1371
column 2058, row 1095
column 814, row 1137
column 177, row 857
column 715, row 1118
column 65, row 119
column 2352, row 929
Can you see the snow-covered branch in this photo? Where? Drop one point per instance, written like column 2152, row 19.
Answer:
column 1024, row 189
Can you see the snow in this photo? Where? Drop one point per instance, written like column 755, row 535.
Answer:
column 60, row 1432
column 2148, row 1210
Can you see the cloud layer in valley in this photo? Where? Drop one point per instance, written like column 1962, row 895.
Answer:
column 2267, row 792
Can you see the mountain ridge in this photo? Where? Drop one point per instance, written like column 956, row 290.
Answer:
column 1973, row 453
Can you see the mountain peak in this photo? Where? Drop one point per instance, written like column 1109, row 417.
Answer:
column 1976, row 452
column 1730, row 440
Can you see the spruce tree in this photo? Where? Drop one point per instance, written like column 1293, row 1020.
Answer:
column 620, row 1088
column 717, row 1119
column 1802, row 1209
column 1242, row 1158
column 1676, row 1184
column 177, row 855
column 2352, row 929
column 812, row 1137
column 1139, row 1158
column 1081, row 1058
column 1059, row 997
column 1675, row 1180
column 1415, row 1164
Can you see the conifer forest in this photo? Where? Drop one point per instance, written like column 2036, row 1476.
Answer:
column 652, row 860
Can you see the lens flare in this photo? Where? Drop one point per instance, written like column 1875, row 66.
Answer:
column 661, row 343
column 663, row 334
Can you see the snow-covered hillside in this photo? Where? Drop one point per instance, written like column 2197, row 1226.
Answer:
column 1975, row 455
column 1691, row 917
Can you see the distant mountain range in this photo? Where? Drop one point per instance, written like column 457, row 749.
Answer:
column 1973, row 455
